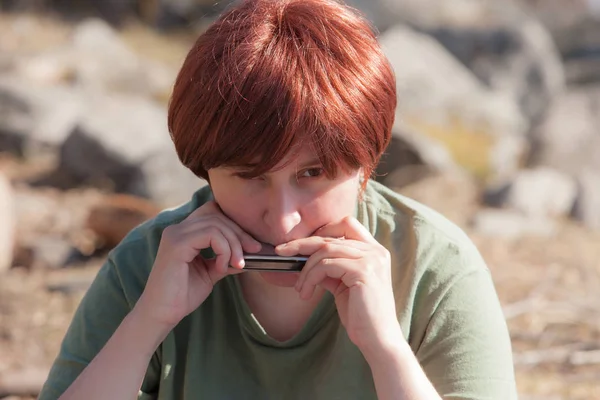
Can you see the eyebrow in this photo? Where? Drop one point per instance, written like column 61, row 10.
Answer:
column 310, row 163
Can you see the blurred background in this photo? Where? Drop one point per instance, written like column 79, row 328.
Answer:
column 498, row 128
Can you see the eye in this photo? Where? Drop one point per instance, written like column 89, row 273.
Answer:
column 312, row 172
column 248, row 177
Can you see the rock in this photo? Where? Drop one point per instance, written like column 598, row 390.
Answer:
column 7, row 224
column 451, row 193
column 517, row 57
column 102, row 61
column 539, row 193
column 408, row 148
column 51, row 252
column 511, row 224
column 96, row 59
column 125, row 140
column 426, row 92
column 587, row 206
column 35, row 119
column 568, row 138
column 508, row 50
column 430, row 101
column 114, row 216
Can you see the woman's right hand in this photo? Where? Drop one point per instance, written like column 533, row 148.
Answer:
column 181, row 279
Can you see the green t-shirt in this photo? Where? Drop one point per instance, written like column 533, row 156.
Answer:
column 446, row 302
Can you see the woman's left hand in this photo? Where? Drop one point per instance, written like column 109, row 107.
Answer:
column 346, row 260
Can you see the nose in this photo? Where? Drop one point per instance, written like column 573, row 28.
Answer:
column 282, row 214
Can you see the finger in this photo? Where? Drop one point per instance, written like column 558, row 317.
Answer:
column 212, row 210
column 348, row 228
column 305, row 246
column 342, row 270
column 310, row 245
column 237, row 254
column 211, row 237
column 331, row 250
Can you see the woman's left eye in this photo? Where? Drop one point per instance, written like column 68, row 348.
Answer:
column 312, row 173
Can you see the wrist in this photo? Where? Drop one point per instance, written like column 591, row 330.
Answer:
column 149, row 331
column 386, row 348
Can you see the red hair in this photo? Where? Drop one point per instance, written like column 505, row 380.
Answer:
column 271, row 74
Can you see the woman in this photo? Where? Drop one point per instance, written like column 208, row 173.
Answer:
column 285, row 107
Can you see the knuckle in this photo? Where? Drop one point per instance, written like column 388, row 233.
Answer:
column 169, row 234
column 328, row 247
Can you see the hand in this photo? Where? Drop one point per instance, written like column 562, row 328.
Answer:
column 181, row 279
column 347, row 261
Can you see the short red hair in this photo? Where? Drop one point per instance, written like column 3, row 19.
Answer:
column 270, row 74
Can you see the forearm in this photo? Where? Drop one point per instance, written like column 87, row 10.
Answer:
column 118, row 370
column 398, row 375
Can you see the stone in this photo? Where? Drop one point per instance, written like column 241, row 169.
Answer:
column 508, row 224
column 568, row 138
column 114, row 216
column 408, row 149
column 540, row 192
column 425, row 91
column 124, row 140
column 587, row 206
column 7, row 224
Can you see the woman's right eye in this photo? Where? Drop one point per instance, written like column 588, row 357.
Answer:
column 248, row 177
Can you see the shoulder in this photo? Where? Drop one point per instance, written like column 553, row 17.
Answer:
column 427, row 239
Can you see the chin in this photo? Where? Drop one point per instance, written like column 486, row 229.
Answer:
column 282, row 279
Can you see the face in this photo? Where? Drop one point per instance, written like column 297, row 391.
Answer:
column 287, row 203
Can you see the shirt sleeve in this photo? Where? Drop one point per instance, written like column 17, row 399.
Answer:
column 466, row 350
column 99, row 314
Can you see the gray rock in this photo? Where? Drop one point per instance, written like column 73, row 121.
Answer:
column 51, row 252
column 34, row 118
column 102, row 61
column 96, row 59
column 511, row 224
column 125, row 140
column 569, row 139
column 7, row 225
column 409, row 149
column 587, row 206
column 433, row 86
column 539, row 193
column 507, row 49
column 517, row 57
column 434, row 89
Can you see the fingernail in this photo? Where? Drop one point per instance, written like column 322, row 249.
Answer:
column 242, row 263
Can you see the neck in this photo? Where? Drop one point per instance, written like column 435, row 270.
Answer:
column 279, row 309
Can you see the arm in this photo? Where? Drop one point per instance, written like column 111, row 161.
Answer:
column 465, row 352
column 104, row 311
column 122, row 361
column 397, row 374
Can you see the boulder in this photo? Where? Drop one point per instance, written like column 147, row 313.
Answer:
column 587, row 206
column 410, row 156
column 35, row 118
column 7, row 224
column 114, row 216
column 95, row 58
column 124, row 140
column 507, row 224
column 568, row 138
column 118, row 142
column 541, row 192
column 438, row 96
